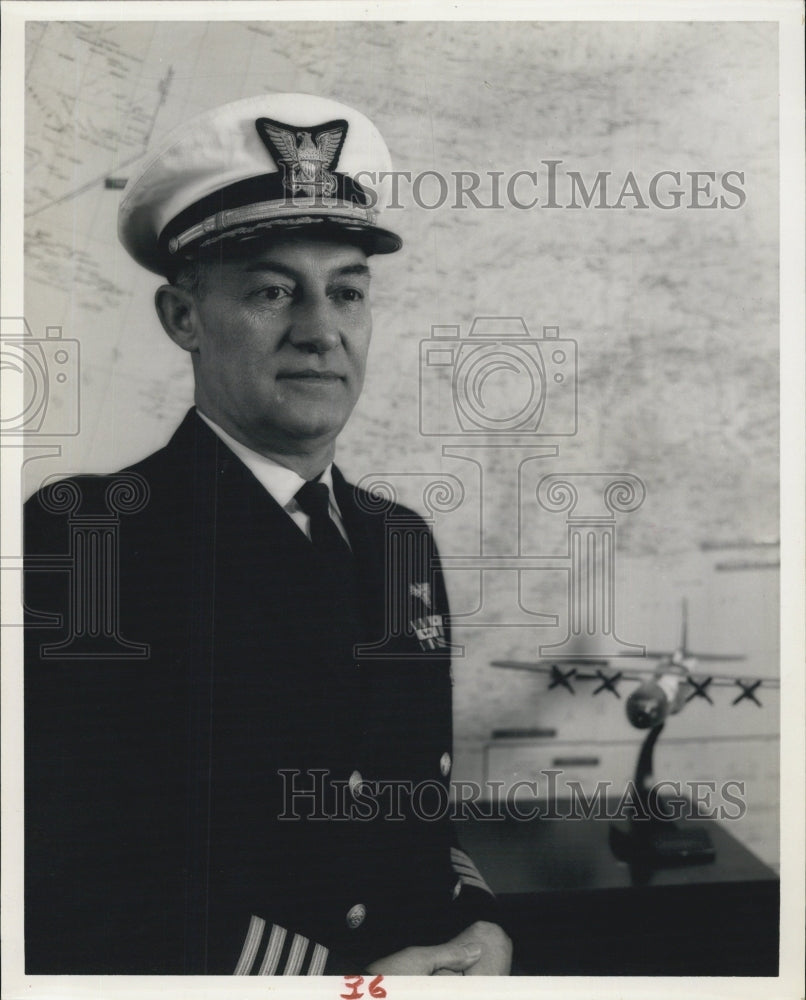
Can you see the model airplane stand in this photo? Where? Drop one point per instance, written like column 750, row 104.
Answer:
column 654, row 842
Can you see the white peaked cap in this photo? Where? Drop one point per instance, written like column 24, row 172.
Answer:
column 251, row 170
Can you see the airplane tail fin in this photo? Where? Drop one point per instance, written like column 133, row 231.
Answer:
column 684, row 627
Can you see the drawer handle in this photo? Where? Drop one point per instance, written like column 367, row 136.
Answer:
column 575, row 762
column 524, row 734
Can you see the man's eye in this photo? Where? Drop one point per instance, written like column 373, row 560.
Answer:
column 350, row 294
column 274, row 292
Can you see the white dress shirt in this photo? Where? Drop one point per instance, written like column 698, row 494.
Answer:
column 279, row 481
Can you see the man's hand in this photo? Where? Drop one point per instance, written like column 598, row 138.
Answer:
column 483, row 949
column 496, row 949
column 454, row 957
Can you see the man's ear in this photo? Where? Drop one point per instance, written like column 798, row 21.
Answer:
column 176, row 308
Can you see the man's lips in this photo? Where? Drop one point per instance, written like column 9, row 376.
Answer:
column 311, row 375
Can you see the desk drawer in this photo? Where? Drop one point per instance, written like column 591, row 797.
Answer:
column 752, row 762
column 584, row 763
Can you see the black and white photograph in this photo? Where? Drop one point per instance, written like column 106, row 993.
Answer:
column 402, row 442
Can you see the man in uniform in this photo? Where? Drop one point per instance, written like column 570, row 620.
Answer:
column 197, row 766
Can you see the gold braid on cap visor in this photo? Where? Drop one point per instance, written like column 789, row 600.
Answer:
column 299, row 210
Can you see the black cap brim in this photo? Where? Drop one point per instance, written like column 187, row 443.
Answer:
column 242, row 239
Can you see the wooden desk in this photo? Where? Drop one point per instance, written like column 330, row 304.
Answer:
column 573, row 909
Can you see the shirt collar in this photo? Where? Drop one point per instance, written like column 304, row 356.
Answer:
column 278, row 480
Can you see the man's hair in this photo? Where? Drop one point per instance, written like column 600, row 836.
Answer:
column 189, row 276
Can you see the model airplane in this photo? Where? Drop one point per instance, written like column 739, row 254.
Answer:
column 663, row 690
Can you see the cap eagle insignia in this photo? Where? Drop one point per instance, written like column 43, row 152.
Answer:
column 305, row 155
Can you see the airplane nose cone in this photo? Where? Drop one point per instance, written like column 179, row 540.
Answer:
column 647, row 706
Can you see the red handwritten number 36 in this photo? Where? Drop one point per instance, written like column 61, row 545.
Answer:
column 375, row 988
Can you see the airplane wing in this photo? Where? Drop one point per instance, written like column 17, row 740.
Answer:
column 702, row 657
column 546, row 666
column 716, row 658
column 633, row 674
column 565, row 673
column 729, row 680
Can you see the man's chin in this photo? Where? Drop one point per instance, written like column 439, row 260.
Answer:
column 302, row 436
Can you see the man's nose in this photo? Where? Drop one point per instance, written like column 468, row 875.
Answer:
column 315, row 326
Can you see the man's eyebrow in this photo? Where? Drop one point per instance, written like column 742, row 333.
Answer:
column 360, row 269
column 258, row 266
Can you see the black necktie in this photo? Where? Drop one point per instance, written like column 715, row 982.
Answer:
column 314, row 500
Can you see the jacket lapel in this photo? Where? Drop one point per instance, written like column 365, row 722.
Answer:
column 229, row 502
column 366, row 530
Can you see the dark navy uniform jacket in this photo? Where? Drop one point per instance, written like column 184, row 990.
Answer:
column 197, row 676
